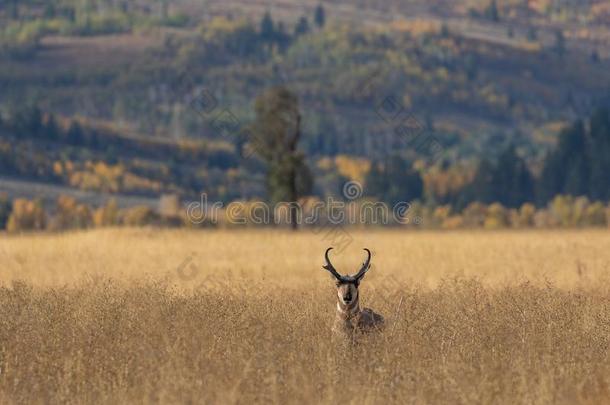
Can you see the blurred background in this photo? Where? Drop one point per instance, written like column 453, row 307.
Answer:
column 479, row 113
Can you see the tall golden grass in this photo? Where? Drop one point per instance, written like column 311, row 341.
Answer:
column 138, row 316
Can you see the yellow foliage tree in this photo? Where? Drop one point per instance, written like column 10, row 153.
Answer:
column 497, row 217
column 26, row 216
column 595, row 215
column 71, row 215
column 107, row 215
column 474, row 215
column 526, row 215
column 139, row 215
column 440, row 215
column 352, row 168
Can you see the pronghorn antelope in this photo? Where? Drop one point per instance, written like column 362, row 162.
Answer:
column 350, row 318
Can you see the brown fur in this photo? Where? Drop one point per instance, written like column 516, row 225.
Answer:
column 350, row 319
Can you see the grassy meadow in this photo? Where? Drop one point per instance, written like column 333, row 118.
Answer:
column 176, row 316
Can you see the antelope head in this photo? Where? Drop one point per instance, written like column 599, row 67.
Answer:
column 347, row 286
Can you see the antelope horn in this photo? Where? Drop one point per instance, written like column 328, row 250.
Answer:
column 365, row 266
column 328, row 266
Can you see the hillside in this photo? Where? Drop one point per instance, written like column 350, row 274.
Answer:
column 164, row 96
column 469, row 77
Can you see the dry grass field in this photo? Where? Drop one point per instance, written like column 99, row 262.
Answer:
column 163, row 316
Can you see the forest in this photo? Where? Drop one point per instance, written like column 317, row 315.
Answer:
column 414, row 110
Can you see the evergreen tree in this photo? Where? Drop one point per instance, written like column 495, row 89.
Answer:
column 595, row 56
column 577, row 177
column 532, row 34
column 320, row 16
column 551, row 180
column 560, row 43
column 565, row 169
column 394, row 181
column 492, row 11
column 376, row 182
column 512, row 180
column 5, row 210
column 405, row 182
column 15, row 9
column 599, row 181
column 482, row 188
column 282, row 37
column 50, row 10
column 325, row 138
column 27, row 122
column 51, row 130
column 580, row 164
column 267, row 28
column 75, row 135
column 302, row 27
column 508, row 181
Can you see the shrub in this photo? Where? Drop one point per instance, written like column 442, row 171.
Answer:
column 441, row 214
column 561, row 209
column 544, row 219
column 71, row 215
column 139, row 216
column 5, row 210
column 497, row 217
column 474, row 215
column 453, row 222
column 26, row 216
column 99, row 25
column 20, row 40
column 107, row 215
column 177, row 20
column 526, row 215
column 595, row 215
